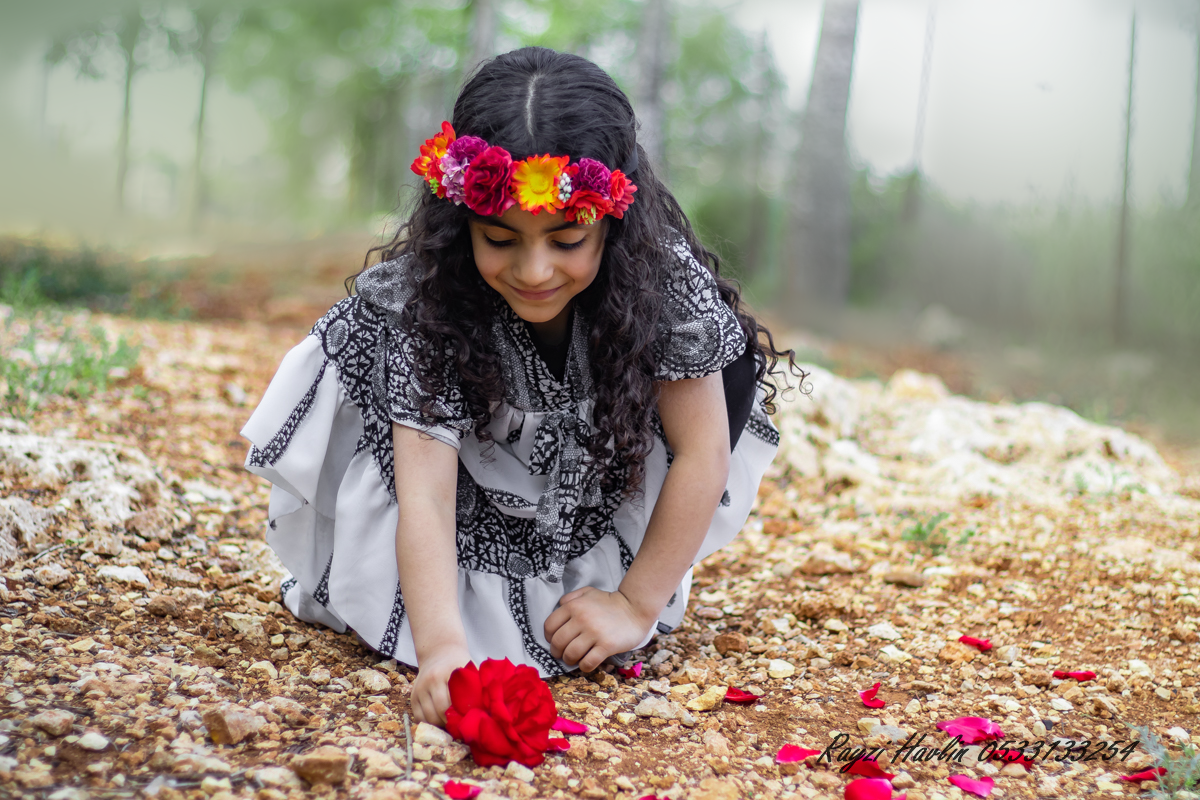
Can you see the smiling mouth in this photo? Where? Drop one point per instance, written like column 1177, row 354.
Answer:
column 536, row 295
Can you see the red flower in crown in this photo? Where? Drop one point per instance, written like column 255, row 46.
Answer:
column 486, row 187
column 621, row 191
column 429, row 164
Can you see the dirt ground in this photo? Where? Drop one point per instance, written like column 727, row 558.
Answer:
column 144, row 666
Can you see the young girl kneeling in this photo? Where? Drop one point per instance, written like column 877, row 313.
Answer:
column 535, row 415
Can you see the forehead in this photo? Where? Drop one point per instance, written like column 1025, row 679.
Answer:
column 520, row 221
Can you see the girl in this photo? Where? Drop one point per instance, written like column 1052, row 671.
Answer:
column 534, row 416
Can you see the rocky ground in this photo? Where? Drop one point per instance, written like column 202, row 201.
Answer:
column 143, row 653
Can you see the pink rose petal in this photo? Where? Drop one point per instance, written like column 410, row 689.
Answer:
column 868, row 789
column 735, row 695
column 1146, row 774
column 557, row 743
column 651, row 797
column 791, row 753
column 979, row 788
column 460, row 791
column 631, row 672
column 1079, row 675
column 869, row 769
column 983, row 644
column 568, row 726
column 971, row 729
column 869, row 699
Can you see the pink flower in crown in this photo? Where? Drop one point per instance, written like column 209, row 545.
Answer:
column 454, row 165
column 592, row 176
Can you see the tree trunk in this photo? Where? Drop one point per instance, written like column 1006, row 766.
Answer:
column 1121, row 287
column 653, row 43
column 912, row 187
column 204, row 22
column 483, row 33
column 818, row 257
column 1193, row 195
column 757, row 230
column 127, row 37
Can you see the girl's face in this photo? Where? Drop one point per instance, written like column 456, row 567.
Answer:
column 538, row 264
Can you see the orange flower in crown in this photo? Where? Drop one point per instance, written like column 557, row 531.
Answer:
column 467, row 171
column 429, row 164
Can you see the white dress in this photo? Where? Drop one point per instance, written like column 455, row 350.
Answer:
column 531, row 523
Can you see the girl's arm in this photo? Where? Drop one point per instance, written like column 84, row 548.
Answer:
column 427, row 558
column 590, row 624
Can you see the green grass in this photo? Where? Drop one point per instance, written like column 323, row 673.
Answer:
column 930, row 535
column 1183, row 770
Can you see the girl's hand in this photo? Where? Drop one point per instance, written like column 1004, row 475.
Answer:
column 430, row 691
column 590, row 625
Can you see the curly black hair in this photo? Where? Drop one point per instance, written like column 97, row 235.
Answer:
column 533, row 101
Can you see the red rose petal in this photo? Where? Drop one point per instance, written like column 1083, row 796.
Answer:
column 869, row 699
column 983, row 644
column 971, row 729
column 651, row 797
column 502, row 711
column 1079, row 675
column 631, row 672
column 979, row 788
column 565, row 725
column 558, row 743
column 460, row 791
column 1146, row 774
column 791, row 753
column 869, row 789
column 1011, row 757
column 869, row 769
column 735, row 695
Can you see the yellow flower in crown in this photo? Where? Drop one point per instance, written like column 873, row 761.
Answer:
column 535, row 183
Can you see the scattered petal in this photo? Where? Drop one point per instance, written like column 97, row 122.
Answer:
column 631, row 672
column 735, row 695
column 979, row 788
column 651, row 797
column 972, row 729
column 869, row 699
column 565, row 725
column 1146, row 774
column 558, row 743
column 1079, row 675
column 791, row 753
column 869, row 789
column 460, row 791
column 869, row 769
column 983, row 644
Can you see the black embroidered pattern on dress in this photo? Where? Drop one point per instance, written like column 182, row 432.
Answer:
column 274, row 449
column 391, row 635
column 507, row 499
column 761, row 428
column 698, row 334
column 321, row 593
column 286, row 587
column 519, row 609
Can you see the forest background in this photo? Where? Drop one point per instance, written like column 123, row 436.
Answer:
column 303, row 117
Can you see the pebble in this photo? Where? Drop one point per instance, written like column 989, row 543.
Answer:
column 659, row 708
column 835, row 625
column 231, row 724
column 431, row 735
column 905, row 577
column 1008, row 654
column 715, row 744
column 913, row 707
column 51, row 574
column 92, row 741
column 824, row 560
column 378, row 765
column 1179, row 734
column 625, row 718
column 884, row 630
column 778, row 668
column 893, row 655
column 54, row 721
column 320, row 676
column 326, row 765
column 129, row 575
column 163, row 605
column 265, row 668
column 712, row 697
column 1139, row 667
column 892, row 732
column 903, row 781
column 867, row 723
column 1059, row 704
column 730, row 642
column 371, row 681
column 519, row 772
column 957, row 652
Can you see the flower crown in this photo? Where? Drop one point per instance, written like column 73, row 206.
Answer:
column 469, row 170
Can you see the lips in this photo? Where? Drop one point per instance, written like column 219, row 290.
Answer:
column 536, row 295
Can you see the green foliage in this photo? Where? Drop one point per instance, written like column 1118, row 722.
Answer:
column 42, row 357
column 927, row 534
column 1183, row 770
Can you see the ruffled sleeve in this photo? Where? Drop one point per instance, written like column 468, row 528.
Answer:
column 376, row 357
column 698, row 334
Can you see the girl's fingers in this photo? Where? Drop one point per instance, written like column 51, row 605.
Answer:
column 569, row 596
column 592, row 661
column 566, row 633
column 577, row 649
column 555, row 621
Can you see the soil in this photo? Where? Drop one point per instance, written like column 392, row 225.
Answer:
column 142, row 673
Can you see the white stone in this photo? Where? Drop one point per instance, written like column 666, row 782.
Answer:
column 893, row 655
column 884, row 630
column 519, row 772
column 371, row 681
column 129, row 575
column 51, row 574
column 263, row 667
column 836, row 625
column 1059, row 704
column 778, row 668
column 1179, row 734
column 1139, row 667
column 92, row 741
column 431, row 735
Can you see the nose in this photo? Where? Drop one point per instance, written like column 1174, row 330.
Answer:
column 534, row 266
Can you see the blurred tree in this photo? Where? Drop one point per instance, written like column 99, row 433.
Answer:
column 818, row 257
column 654, row 43
column 483, row 33
column 1193, row 193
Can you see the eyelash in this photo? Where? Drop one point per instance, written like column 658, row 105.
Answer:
column 559, row 245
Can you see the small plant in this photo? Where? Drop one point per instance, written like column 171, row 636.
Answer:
column 929, row 534
column 1182, row 771
column 42, row 357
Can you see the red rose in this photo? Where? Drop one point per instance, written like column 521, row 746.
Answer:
column 621, row 191
column 487, row 180
column 585, row 207
column 503, row 712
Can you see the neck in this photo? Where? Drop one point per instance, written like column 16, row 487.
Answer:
column 553, row 331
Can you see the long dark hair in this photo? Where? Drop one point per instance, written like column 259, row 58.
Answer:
column 533, row 101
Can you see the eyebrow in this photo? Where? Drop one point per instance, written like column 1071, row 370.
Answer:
column 495, row 223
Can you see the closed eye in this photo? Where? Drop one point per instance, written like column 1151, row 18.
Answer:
column 500, row 242
column 570, row 245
